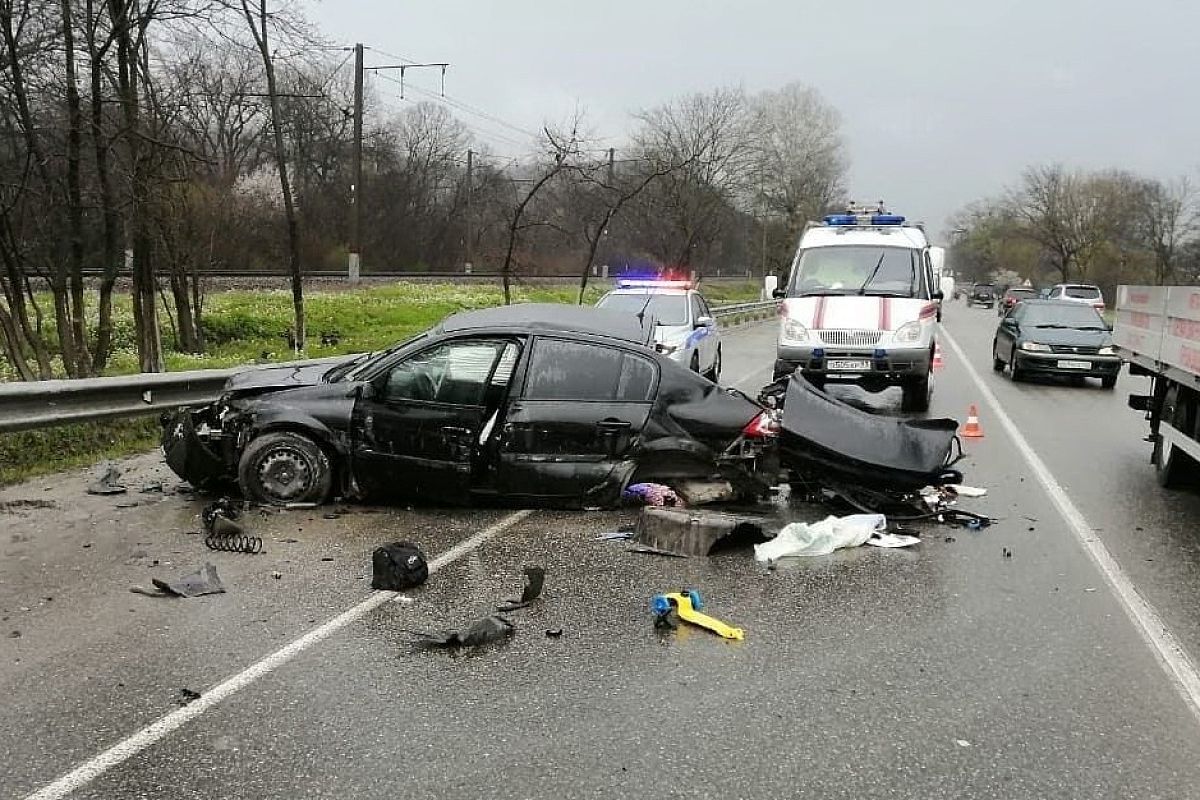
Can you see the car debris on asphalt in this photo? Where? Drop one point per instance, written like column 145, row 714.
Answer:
column 107, row 480
column 695, row 533
column 195, row 584
column 535, row 578
column 492, row 628
column 223, row 530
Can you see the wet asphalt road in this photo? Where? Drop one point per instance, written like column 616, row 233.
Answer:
column 949, row 670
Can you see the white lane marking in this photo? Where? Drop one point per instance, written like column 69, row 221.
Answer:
column 1171, row 654
column 743, row 379
column 96, row 766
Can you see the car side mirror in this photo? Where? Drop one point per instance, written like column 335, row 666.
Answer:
column 363, row 391
column 704, row 322
column 779, row 294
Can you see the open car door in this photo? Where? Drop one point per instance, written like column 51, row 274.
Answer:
column 419, row 428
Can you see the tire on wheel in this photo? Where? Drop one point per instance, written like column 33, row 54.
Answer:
column 1108, row 381
column 285, row 467
column 916, row 394
column 1172, row 467
column 714, row 374
column 997, row 362
column 1015, row 372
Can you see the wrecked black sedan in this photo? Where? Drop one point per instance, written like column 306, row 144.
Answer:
column 527, row 404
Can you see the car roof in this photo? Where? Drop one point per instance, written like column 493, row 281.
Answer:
column 651, row 290
column 558, row 317
column 1077, row 286
column 1022, row 289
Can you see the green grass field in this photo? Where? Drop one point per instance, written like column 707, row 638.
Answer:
column 247, row 326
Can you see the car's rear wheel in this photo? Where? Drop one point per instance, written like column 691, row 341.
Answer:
column 997, row 361
column 285, row 467
column 1172, row 467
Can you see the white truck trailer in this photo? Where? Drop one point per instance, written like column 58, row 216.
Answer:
column 1158, row 332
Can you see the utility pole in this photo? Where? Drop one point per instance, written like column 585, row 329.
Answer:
column 355, row 265
column 611, row 152
column 469, row 264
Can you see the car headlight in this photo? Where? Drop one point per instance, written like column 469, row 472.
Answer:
column 1107, row 351
column 908, row 332
column 1035, row 347
column 793, row 331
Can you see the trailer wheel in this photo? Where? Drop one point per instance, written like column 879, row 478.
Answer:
column 1173, row 467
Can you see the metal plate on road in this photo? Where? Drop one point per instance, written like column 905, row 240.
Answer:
column 1074, row 365
column 849, row 366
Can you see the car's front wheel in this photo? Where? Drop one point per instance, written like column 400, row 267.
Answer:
column 916, row 394
column 1015, row 372
column 714, row 374
column 285, row 467
column 997, row 361
column 1108, row 381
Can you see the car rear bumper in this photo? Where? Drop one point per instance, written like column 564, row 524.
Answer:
column 1052, row 364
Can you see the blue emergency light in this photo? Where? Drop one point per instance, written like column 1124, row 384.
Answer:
column 846, row 220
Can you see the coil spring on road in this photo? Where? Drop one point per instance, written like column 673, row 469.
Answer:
column 233, row 543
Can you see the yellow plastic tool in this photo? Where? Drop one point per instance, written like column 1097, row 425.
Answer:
column 687, row 605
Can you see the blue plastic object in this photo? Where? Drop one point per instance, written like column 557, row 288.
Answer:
column 880, row 352
column 660, row 604
column 694, row 596
column 841, row 219
column 887, row 219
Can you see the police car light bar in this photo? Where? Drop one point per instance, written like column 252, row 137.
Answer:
column 847, row 220
column 642, row 283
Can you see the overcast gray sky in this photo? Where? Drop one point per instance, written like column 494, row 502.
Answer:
column 943, row 101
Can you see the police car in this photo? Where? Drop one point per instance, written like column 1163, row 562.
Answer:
column 685, row 331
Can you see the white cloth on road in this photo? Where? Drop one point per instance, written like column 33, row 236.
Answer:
column 821, row 538
column 892, row 540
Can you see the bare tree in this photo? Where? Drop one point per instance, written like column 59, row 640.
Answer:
column 1166, row 219
column 258, row 21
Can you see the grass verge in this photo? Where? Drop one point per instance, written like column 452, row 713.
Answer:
column 27, row 454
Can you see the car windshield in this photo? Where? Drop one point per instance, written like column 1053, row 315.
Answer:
column 355, row 368
column 854, row 269
column 666, row 309
column 1062, row 316
column 1082, row 292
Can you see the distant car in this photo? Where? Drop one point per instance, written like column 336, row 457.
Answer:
column 523, row 404
column 1085, row 293
column 982, row 294
column 685, row 329
column 1053, row 337
column 1013, row 296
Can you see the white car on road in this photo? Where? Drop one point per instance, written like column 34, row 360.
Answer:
column 685, row 328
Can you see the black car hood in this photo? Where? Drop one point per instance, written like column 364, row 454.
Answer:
column 1067, row 337
column 267, row 379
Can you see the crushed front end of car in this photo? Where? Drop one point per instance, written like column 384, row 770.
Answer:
column 201, row 444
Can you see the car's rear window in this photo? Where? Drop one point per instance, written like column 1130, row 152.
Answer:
column 1082, row 292
column 563, row 370
column 667, row 309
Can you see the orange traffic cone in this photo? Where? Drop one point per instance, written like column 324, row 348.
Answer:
column 972, row 430
column 937, row 357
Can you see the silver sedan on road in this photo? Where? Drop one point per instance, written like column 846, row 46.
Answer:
column 685, row 330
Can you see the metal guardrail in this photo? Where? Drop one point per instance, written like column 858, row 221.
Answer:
column 40, row 404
